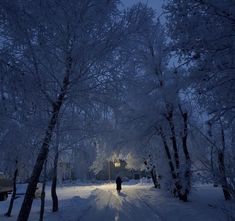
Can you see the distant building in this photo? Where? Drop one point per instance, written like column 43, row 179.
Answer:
column 113, row 169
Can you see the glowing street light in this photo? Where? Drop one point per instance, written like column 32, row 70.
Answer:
column 117, row 163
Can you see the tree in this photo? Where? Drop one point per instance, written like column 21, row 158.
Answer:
column 209, row 55
column 43, row 193
column 55, row 45
column 70, row 56
column 55, row 206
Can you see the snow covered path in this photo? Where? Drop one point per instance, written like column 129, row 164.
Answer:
column 138, row 202
column 128, row 205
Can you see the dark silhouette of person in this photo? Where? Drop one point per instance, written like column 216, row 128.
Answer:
column 119, row 184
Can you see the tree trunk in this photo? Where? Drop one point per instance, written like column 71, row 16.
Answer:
column 169, row 117
column 154, row 178
column 223, row 178
column 212, row 163
column 28, row 200
column 55, row 206
column 215, row 180
column 43, row 194
column 13, row 196
column 30, row 192
column 187, row 174
column 152, row 170
column 177, row 189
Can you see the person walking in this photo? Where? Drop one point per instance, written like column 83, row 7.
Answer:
column 118, row 184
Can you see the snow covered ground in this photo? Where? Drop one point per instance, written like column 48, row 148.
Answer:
column 137, row 202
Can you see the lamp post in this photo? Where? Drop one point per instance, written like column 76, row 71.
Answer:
column 116, row 163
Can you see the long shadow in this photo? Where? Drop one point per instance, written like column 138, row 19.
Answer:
column 77, row 208
column 122, row 194
column 72, row 209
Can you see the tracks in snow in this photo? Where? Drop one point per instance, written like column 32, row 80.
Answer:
column 92, row 206
column 151, row 208
column 125, row 207
column 152, row 211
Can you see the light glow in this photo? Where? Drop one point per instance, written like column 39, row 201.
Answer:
column 117, row 163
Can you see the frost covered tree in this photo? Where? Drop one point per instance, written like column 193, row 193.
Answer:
column 208, row 49
column 69, row 55
column 202, row 34
column 154, row 105
column 63, row 47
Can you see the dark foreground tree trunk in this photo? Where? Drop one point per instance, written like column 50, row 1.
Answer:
column 30, row 192
column 55, row 205
column 187, row 173
column 223, row 178
column 13, row 196
column 42, row 156
column 43, row 194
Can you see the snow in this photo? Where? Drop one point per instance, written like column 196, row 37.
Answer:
column 137, row 201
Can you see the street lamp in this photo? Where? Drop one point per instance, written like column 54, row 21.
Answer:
column 117, row 163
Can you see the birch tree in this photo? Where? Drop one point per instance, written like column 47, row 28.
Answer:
column 62, row 46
